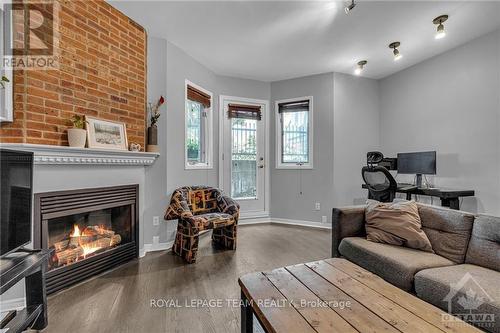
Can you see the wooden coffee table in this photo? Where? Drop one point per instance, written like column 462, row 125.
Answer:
column 314, row 297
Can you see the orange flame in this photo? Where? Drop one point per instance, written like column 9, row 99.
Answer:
column 76, row 231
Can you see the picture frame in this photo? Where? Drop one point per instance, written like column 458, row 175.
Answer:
column 6, row 94
column 106, row 134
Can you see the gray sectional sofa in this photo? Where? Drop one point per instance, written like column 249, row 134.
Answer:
column 462, row 277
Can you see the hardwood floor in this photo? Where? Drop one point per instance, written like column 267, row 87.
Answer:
column 120, row 300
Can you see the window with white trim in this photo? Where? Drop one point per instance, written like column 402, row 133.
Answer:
column 198, row 140
column 294, row 133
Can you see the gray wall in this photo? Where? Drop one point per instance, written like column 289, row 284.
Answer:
column 180, row 67
column 156, row 175
column 168, row 68
column 346, row 126
column 317, row 184
column 450, row 104
column 231, row 86
column 356, row 131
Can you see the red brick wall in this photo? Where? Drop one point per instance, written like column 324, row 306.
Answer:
column 102, row 74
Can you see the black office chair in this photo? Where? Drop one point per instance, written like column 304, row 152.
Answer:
column 381, row 184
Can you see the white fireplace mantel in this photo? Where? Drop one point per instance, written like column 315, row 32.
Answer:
column 46, row 154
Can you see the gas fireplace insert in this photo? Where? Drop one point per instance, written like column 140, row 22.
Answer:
column 90, row 231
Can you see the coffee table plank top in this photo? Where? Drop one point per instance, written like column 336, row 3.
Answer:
column 266, row 303
column 424, row 310
column 361, row 318
column 322, row 319
column 375, row 305
column 387, row 309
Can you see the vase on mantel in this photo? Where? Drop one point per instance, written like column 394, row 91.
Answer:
column 154, row 112
column 152, row 145
column 77, row 137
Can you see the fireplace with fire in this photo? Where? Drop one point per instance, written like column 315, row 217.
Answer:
column 89, row 231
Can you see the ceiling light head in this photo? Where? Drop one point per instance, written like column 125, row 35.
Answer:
column 395, row 51
column 359, row 68
column 349, row 7
column 440, row 33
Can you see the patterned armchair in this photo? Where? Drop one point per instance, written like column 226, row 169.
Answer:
column 199, row 208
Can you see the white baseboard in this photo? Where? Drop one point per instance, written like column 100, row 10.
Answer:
column 254, row 215
column 267, row 219
column 254, row 220
column 155, row 247
column 12, row 304
column 302, row 223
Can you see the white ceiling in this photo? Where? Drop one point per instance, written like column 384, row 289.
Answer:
column 271, row 41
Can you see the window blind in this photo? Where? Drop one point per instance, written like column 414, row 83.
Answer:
column 244, row 111
column 299, row 106
column 199, row 96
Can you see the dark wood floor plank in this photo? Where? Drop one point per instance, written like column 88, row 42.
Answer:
column 119, row 300
column 272, row 308
column 356, row 314
column 387, row 309
column 322, row 318
column 424, row 310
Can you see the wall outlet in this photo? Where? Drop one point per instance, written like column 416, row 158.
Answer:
column 156, row 220
column 324, row 219
column 156, row 240
column 317, row 206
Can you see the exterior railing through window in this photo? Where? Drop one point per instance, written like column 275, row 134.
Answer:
column 244, row 158
column 295, row 144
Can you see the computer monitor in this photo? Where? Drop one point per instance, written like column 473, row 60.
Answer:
column 418, row 163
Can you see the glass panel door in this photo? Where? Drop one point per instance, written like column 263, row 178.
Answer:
column 243, row 158
column 243, row 164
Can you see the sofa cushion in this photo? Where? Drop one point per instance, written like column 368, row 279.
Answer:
column 396, row 223
column 394, row 264
column 462, row 289
column 448, row 231
column 484, row 245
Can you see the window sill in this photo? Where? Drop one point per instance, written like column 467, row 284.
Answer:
column 294, row 167
column 198, row 167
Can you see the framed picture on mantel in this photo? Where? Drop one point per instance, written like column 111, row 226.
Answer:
column 105, row 134
column 6, row 82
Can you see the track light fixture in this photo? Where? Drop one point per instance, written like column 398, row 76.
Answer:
column 349, row 7
column 440, row 33
column 359, row 68
column 395, row 51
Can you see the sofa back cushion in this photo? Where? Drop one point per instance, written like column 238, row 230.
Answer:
column 448, row 230
column 396, row 223
column 484, row 245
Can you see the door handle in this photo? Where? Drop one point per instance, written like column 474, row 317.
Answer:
column 261, row 166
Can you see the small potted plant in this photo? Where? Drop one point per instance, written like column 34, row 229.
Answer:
column 193, row 149
column 77, row 136
column 3, row 81
column 154, row 113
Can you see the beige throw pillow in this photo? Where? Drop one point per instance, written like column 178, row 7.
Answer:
column 396, row 223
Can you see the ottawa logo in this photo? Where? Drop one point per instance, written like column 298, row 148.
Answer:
column 465, row 301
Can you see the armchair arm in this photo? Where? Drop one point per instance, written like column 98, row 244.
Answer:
column 228, row 205
column 346, row 222
column 178, row 207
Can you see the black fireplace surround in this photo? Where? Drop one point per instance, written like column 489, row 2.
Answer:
column 90, row 231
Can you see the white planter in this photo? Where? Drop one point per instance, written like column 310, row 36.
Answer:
column 77, row 137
